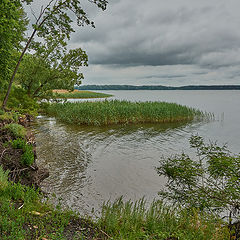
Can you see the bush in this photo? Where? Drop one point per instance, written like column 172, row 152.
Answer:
column 210, row 182
column 6, row 116
column 27, row 157
column 20, row 101
column 18, row 143
column 17, row 130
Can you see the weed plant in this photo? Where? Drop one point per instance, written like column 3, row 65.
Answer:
column 130, row 221
column 8, row 116
column 16, row 129
column 24, row 216
column 121, row 112
column 27, row 157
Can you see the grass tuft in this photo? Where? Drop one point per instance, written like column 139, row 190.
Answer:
column 133, row 220
column 16, row 129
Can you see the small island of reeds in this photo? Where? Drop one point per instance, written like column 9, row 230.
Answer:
column 65, row 94
column 121, row 112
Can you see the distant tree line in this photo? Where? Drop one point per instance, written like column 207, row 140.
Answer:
column 158, row 87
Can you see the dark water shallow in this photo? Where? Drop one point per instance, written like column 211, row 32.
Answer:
column 89, row 165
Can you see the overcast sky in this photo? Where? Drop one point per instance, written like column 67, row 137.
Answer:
column 159, row 42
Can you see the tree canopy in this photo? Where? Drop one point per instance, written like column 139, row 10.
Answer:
column 54, row 22
column 12, row 26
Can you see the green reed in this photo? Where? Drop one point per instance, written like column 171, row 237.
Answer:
column 82, row 94
column 121, row 112
column 134, row 220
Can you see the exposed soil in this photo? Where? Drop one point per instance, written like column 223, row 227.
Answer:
column 84, row 229
column 10, row 158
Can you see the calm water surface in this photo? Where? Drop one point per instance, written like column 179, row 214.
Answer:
column 90, row 165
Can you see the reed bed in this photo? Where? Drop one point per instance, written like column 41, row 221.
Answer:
column 79, row 94
column 121, row 112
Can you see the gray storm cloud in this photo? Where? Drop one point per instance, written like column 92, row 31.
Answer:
column 137, row 39
column 155, row 33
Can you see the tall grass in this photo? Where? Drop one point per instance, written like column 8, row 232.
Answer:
column 80, row 94
column 130, row 221
column 121, row 112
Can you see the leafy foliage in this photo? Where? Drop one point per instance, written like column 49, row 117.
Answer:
column 40, row 73
column 18, row 130
column 27, row 157
column 20, row 101
column 53, row 27
column 210, row 182
column 12, row 26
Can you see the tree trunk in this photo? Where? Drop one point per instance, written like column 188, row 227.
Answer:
column 15, row 70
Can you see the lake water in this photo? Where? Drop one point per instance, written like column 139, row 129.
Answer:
column 90, row 165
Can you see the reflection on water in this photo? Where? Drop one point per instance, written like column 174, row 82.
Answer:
column 89, row 165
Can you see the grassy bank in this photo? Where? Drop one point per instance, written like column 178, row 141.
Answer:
column 121, row 112
column 133, row 220
column 79, row 94
column 24, row 216
column 25, row 213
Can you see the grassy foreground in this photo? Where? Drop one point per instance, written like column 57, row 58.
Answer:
column 79, row 94
column 121, row 112
column 24, row 216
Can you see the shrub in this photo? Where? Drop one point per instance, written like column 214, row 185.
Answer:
column 210, row 182
column 20, row 101
column 18, row 143
column 27, row 157
column 6, row 116
column 18, row 130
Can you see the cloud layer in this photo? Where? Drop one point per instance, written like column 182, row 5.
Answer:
column 173, row 42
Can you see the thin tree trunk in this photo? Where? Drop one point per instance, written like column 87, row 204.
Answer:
column 15, row 70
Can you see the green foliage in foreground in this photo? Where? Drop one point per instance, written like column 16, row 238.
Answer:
column 82, row 94
column 210, row 182
column 130, row 221
column 121, row 112
column 17, row 130
column 27, row 157
column 9, row 116
column 19, row 101
column 24, row 216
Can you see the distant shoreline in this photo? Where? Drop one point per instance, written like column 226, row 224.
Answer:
column 158, row 87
